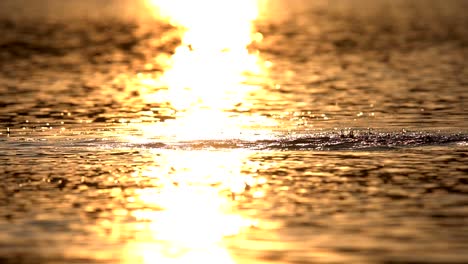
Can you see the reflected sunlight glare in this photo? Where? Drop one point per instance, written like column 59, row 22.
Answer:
column 196, row 192
column 203, row 89
column 208, row 74
column 211, row 25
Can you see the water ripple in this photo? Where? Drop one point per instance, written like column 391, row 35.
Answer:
column 322, row 141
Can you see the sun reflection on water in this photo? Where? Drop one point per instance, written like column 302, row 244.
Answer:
column 195, row 196
column 206, row 81
column 211, row 25
column 190, row 211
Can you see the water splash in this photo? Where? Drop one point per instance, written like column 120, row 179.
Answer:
column 322, row 141
column 325, row 141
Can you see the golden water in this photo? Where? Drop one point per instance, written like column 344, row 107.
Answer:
column 233, row 131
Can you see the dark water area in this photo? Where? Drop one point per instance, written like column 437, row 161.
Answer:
column 351, row 147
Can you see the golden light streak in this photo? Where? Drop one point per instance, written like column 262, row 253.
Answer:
column 207, row 70
column 206, row 77
column 211, row 25
column 196, row 207
column 191, row 211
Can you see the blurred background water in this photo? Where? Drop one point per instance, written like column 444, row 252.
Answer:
column 242, row 131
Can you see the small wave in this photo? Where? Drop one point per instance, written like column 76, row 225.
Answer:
column 324, row 141
column 360, row 140
column 350, row 141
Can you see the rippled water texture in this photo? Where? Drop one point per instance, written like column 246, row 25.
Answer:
column 233, row 131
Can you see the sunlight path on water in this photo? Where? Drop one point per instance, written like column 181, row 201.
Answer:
column 194, row 202
column 205, row 85
column 207, row 77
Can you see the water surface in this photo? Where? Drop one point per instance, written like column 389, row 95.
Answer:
column 290, row 132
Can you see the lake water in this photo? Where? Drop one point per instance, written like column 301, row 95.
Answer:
column 233, row 132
